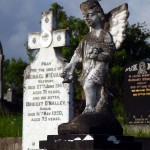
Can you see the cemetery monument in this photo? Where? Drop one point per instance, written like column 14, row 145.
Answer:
column 137, row 91
column 95, row 51
column 96, row 127
column 47, row 101
column 47, row 96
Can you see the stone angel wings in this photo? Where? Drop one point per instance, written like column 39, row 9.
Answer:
column 116, row 24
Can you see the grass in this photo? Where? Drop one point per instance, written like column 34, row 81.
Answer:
column 130, row 130
column 118, row 109
column 10, row 125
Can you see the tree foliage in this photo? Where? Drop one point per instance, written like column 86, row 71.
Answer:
column 137, row 42
column 77, row 27
column 13, row 75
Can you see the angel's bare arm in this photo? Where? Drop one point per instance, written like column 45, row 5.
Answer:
column 70, row 67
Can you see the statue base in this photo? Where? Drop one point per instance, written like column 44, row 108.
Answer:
column 90, row 142
column 94, row 123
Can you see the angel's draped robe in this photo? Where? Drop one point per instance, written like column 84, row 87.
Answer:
column 95, row 70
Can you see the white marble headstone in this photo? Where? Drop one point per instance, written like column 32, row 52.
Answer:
column 47, row 101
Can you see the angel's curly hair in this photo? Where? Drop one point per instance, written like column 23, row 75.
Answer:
column 91, row 4
column 96, row 7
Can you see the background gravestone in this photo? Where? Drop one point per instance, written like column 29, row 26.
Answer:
column 137, row 92
column 47, row 101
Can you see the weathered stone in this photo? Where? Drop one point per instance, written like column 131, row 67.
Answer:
column 90, row 142
column 10, row 144
column 94, row 123
column 137, row 92
column 95, row 52
column 47, row 101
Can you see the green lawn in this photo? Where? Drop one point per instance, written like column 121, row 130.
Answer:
column 10, row 125
column 127, row 130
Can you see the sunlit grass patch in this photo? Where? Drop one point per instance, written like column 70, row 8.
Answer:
column 10, row 125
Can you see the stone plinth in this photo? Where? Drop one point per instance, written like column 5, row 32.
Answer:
column 95, row 123
column 90, row 142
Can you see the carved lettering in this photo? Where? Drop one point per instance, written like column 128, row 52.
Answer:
column 51, row 69
column 34, row 103
column 52, row 75
column 45, row 63
column 37, row 76
column 132, row 68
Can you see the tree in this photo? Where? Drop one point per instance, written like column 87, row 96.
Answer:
column 13, row 75
column 136, row 44
column 77, row 26
column 135, row 47
column 61, row 15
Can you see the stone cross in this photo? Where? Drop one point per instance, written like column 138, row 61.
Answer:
column 49, row 37
column 47, row 101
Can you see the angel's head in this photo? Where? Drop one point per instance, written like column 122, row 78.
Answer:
column 92, row 13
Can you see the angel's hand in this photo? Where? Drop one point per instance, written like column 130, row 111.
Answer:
column 64, row 74
column 93, row 56
column 68, row 77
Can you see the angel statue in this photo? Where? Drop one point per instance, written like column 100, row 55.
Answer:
column 106, row 34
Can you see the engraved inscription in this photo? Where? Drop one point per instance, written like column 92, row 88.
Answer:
column 46, row 93
column 137, row 93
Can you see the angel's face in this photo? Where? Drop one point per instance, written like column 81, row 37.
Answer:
column 91, row 18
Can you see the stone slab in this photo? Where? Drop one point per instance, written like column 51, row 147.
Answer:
column 90, row 142
column 47, row 101
column 137, row 92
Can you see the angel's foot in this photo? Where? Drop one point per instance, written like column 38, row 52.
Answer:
column 88, row 110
